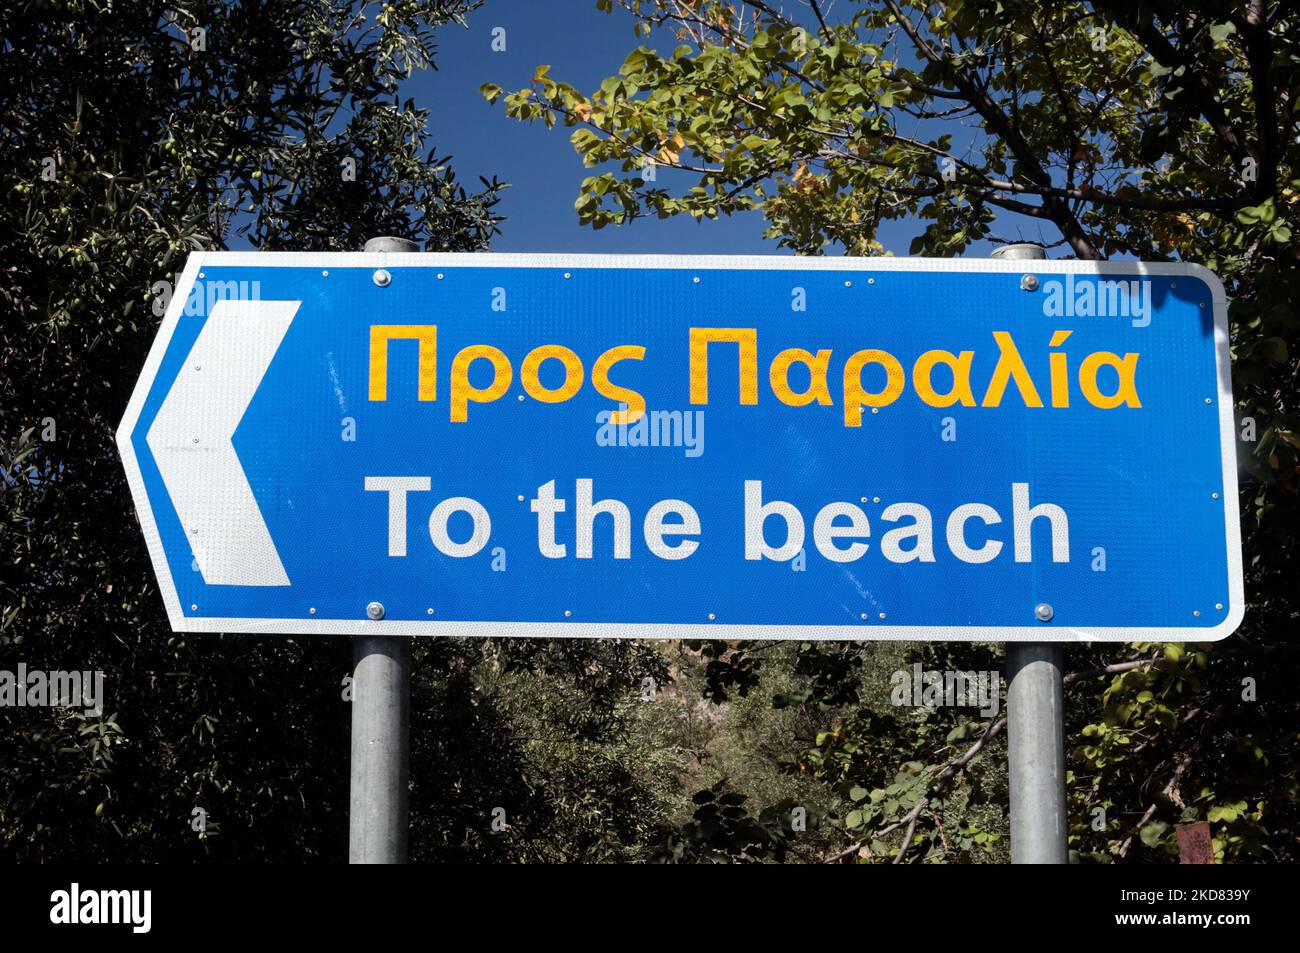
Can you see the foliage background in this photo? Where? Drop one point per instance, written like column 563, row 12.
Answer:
column 1131, row 141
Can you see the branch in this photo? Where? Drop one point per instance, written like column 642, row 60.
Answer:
column 1053, row 207
column 954, row 767
column 1107, row 670
column 1170, row 790
column 1259, row 54
column 1184, row 762
column 950, row 771
column 1167, row 55
column 817, row 12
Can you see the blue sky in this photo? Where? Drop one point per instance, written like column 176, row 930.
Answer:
column 582, row 46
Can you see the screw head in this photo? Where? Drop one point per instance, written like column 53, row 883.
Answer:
column 712, row 616
column 429, row 611
column 1028, row 282
column 383, row 278
column 375, row 611
column 311, row 611
column 1043, row 612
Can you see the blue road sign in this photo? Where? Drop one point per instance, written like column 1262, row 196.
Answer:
column 756, row 447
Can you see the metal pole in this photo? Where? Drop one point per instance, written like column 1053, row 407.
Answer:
column 381, row 704
column 381, row 708
column 1036, row 753
column 1035, row 724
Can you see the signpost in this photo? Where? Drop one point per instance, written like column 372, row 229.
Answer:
column 378, row 818
column 1035, row 723
column 386, row 444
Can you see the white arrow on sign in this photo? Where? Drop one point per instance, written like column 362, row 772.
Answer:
column 191, row 442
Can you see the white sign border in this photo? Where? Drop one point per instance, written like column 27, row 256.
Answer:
column 715, row 630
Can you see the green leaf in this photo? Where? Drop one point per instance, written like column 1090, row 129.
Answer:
column 1153, row 832
column 1219, row 32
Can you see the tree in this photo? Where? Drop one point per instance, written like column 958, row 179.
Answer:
column 133, row 134
column 1143, row 129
